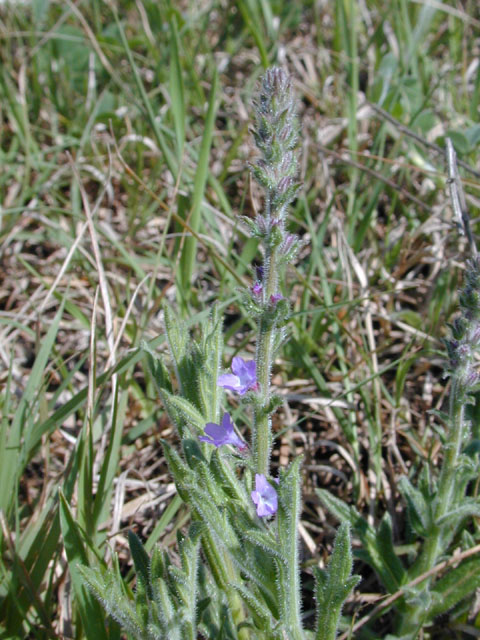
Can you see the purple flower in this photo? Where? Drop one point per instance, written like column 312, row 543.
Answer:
column 220, row 434
column 257, row 289
column 274, row 298
column 264, row 496
column 243, row 378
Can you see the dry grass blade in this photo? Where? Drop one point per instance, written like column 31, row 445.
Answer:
column 457, row 196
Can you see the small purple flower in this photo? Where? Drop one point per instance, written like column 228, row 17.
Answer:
column 257, row 289
column 243, row 378
column 264, row 496
column 274, row 298
column 220, row 434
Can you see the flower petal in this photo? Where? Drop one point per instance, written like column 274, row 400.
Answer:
column 229, row 381
column 224, row 433
column 264, row 497
column 215, row 431
column 227, row 423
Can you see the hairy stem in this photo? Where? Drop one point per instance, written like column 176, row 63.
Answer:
column 433, row 548
column 225, row 575
column 264, row 359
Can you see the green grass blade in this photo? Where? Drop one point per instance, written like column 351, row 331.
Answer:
column 176, row 89
column 187, row 261
column 16, row 452
column 147, row 105
column 91, row 613
column 251, row 16
column 110, row 463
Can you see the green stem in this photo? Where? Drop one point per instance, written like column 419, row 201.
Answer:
column 235, row 601
column 288, row 571
column 415, row 615
column 225, row 575
column 264, row 360
column 293, row 616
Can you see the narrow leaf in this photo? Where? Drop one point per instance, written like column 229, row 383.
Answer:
column 140, row 560
column 333, row 586
column 93, row 618
column 456, row 585
column 188, row 258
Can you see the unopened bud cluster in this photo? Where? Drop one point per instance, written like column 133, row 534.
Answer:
column 275, row 135
column 466, row 331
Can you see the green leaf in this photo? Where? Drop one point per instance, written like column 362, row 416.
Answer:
column 105, row 586
column 266, row 542
column 167, row 614
column 333, row 585
column 181, row 473
column 342, row 511
column 473, row 135
column 93, row 618
column 372, row 552
column 191, row 415
column 417, row 509
column 261, row 613
column 226, row 477
column 457, row 584
column 19, row 443
column 459, row 140
column 468, row 507
column 192, row 452
column 140, row 560
column 188, row 257
column 159, row 372
column 177, row 336
column 176, row 88
column 387, row 550
column 212, row 339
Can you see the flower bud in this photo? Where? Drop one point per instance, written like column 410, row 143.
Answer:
column 475, row 336
column 257, row 290
column 459, row 327
column 262, row 225
column 276, row 235
column 274, row 298
column 471, row 378
column 285, row 183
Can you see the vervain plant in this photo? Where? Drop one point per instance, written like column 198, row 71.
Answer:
column 441, row 502
column 238, row 575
